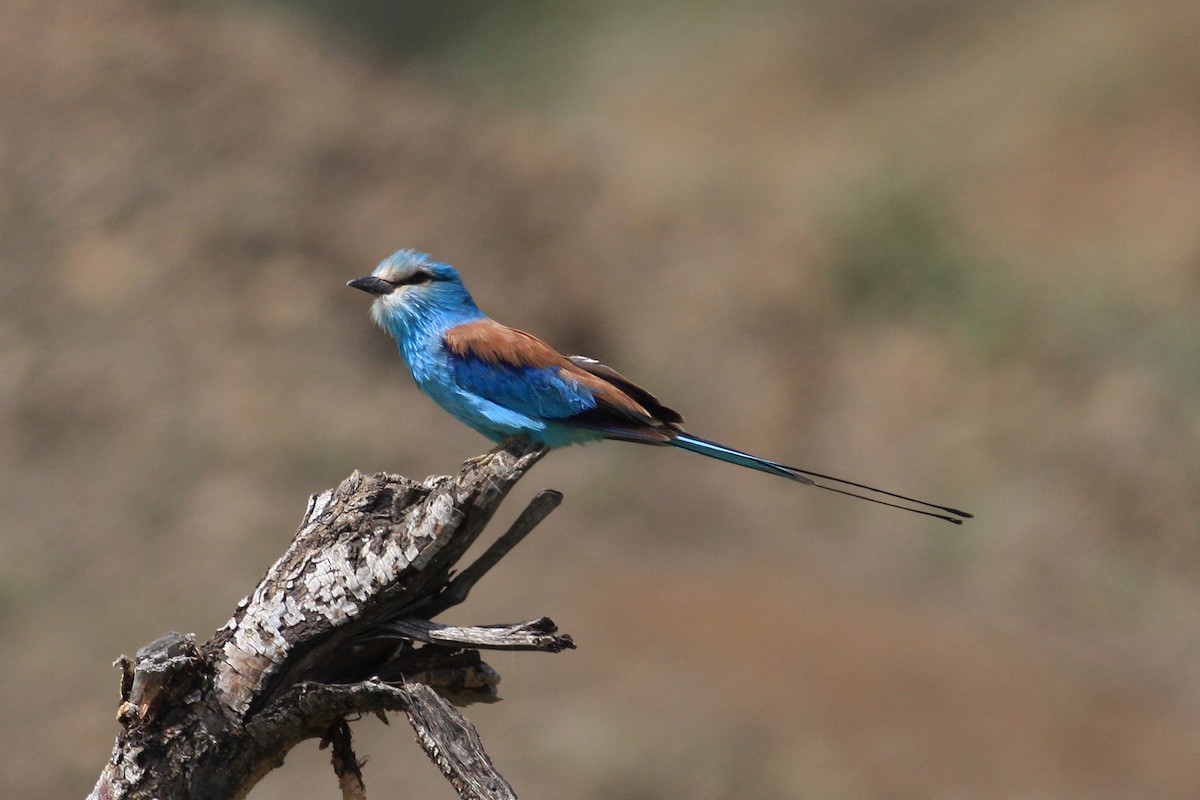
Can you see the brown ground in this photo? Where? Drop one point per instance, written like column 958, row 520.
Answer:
column 949, row 250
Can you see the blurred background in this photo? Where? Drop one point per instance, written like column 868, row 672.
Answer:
column 951, row 249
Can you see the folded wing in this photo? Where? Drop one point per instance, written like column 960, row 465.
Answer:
column 521, row 372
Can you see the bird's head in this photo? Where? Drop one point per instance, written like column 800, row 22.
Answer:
column 409, row 283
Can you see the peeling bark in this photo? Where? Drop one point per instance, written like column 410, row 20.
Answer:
column 339, row 625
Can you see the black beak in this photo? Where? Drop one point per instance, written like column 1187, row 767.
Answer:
column 372, row 285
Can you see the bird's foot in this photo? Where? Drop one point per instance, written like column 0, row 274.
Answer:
column 484, row 459
column 481, row 460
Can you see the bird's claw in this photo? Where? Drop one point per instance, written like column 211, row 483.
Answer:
column 483, row 459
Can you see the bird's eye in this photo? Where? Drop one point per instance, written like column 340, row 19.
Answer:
column 415, row 279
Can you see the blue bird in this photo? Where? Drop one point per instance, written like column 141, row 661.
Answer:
column 504, row 382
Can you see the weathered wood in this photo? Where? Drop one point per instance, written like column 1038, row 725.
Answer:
column 454, row 745
column 345, row 764
column 536, row 634
column 538, row 509
column 339, row 625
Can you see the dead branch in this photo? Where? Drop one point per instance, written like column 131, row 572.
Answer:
column 340, row 625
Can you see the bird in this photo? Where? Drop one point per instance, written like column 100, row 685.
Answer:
column 506, row 383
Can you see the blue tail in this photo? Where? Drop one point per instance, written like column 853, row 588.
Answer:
column 687, row 441
column 720, row 452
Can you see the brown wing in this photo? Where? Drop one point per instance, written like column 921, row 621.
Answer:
column 643, row 397
column 623, row 410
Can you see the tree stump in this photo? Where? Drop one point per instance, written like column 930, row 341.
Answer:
column 341, row 625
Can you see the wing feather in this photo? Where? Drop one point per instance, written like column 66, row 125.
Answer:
column 519, row 371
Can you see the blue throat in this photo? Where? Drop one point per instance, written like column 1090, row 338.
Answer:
column 419, row 325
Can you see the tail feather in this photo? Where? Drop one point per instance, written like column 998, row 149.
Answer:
column 695, row 444
column 720, row 452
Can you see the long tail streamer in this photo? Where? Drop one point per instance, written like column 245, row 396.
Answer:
column 704, row 447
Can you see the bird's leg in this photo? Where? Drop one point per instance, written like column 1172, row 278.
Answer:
column 484, row 459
